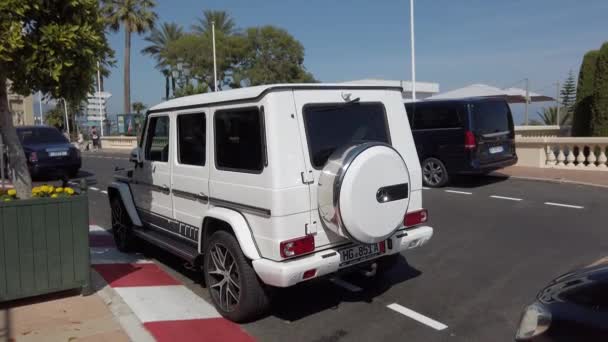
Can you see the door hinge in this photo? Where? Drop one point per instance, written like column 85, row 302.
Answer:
column 307, row 177
column 311, row 228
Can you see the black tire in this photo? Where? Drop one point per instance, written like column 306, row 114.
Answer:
column 237, row 294
column 434, row 173
column 122, row 228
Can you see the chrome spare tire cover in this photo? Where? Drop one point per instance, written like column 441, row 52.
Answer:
column 364, row 191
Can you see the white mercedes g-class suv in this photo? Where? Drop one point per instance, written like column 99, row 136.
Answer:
column 270, row 186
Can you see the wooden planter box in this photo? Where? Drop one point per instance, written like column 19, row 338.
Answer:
column 44, row 246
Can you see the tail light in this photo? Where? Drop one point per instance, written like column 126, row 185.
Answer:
column 299, row 246
column 33, row 157
column 415, row 218
column 469, row 141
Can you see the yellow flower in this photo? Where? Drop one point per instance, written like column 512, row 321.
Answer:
column 54, row 196
column 44, row 188
column 51, row 189
column 69, row 191
column 59, row 190
column 12, row 192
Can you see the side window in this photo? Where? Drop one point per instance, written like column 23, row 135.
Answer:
column 436, row 116
column 410, row 109
column 239, row 140
column 157, row 140
column 191, row 139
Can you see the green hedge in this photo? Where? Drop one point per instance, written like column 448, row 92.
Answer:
column 599, row 106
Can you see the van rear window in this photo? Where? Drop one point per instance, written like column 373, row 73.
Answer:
column 491, row 117
column 330, row 126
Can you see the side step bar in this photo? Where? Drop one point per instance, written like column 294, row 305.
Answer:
column 181, row 249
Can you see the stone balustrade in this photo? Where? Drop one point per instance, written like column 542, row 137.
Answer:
column 582, row 153
column 541, row 131
column 119, row 142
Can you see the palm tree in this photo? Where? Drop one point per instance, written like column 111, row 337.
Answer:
column 159, row 40
column 139, row 107
column 548, row 116
column 223, row 23
column 134, row 16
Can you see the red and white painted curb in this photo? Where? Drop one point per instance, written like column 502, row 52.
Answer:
column 165, row 307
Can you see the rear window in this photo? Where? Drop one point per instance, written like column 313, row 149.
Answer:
column 40, row 136
column 433, row 115
column 491, row 117
column 330, row 126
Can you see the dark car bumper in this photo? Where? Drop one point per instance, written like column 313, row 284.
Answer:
column 477, row 168
column 43, row 169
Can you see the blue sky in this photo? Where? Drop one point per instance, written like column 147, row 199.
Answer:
column 457, row 42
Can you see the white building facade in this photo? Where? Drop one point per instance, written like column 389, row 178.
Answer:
column 96, row 110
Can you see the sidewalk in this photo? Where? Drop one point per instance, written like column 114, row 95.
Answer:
column 66, row 316
column 134, row 300
column 593, row 178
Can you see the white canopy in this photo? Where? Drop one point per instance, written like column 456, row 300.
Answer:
column 511, row 95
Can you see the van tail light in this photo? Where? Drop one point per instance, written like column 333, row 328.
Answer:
column 33, row 157
column 416, row 217
column 469, row 141
column 299, row 246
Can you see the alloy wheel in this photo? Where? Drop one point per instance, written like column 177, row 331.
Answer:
column 433, row 173
column 118, row 226
column 224, row 277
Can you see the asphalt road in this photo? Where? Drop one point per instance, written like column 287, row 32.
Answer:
column 497, row 242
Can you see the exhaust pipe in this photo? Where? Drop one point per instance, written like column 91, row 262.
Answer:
column 372, row 270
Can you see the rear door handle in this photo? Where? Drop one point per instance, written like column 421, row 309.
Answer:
column 165, row 188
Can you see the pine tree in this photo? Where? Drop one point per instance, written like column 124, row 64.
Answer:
column 581, row 122
column 568, row 93
column 599, row 104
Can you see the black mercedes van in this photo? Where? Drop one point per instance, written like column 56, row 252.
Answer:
column 461, row 136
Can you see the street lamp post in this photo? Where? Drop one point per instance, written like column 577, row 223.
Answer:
column 413, row 50
column 99, row 98
column 214, row 60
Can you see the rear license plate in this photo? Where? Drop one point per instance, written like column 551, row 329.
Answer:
column 496, row 149
column 356, row 254
column 58, row 154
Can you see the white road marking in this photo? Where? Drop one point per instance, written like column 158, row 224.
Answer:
column 416, row 316
column 94, row 188
column 564, row 205
column 507, row 198
column 425, row 188
column 350, row 287
column 104, row 192
column 459, row 192
column 166, row 303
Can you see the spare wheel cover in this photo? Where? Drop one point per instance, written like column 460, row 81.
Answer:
column 364, row 192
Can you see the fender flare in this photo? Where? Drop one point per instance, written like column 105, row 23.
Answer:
column 240, row 226
column 124, row 191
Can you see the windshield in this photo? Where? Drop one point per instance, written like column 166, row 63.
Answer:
column 491, row 117
column 40, row 135
column 334, row 125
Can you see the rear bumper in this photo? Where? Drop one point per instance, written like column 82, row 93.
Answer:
column 44, row 169
column 289, row 273
column 479, row 168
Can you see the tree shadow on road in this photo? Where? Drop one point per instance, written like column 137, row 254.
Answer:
column 308, row 298
column 305, row 299
column 476, row 181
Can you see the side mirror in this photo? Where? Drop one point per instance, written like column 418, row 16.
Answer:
column 137, row 156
